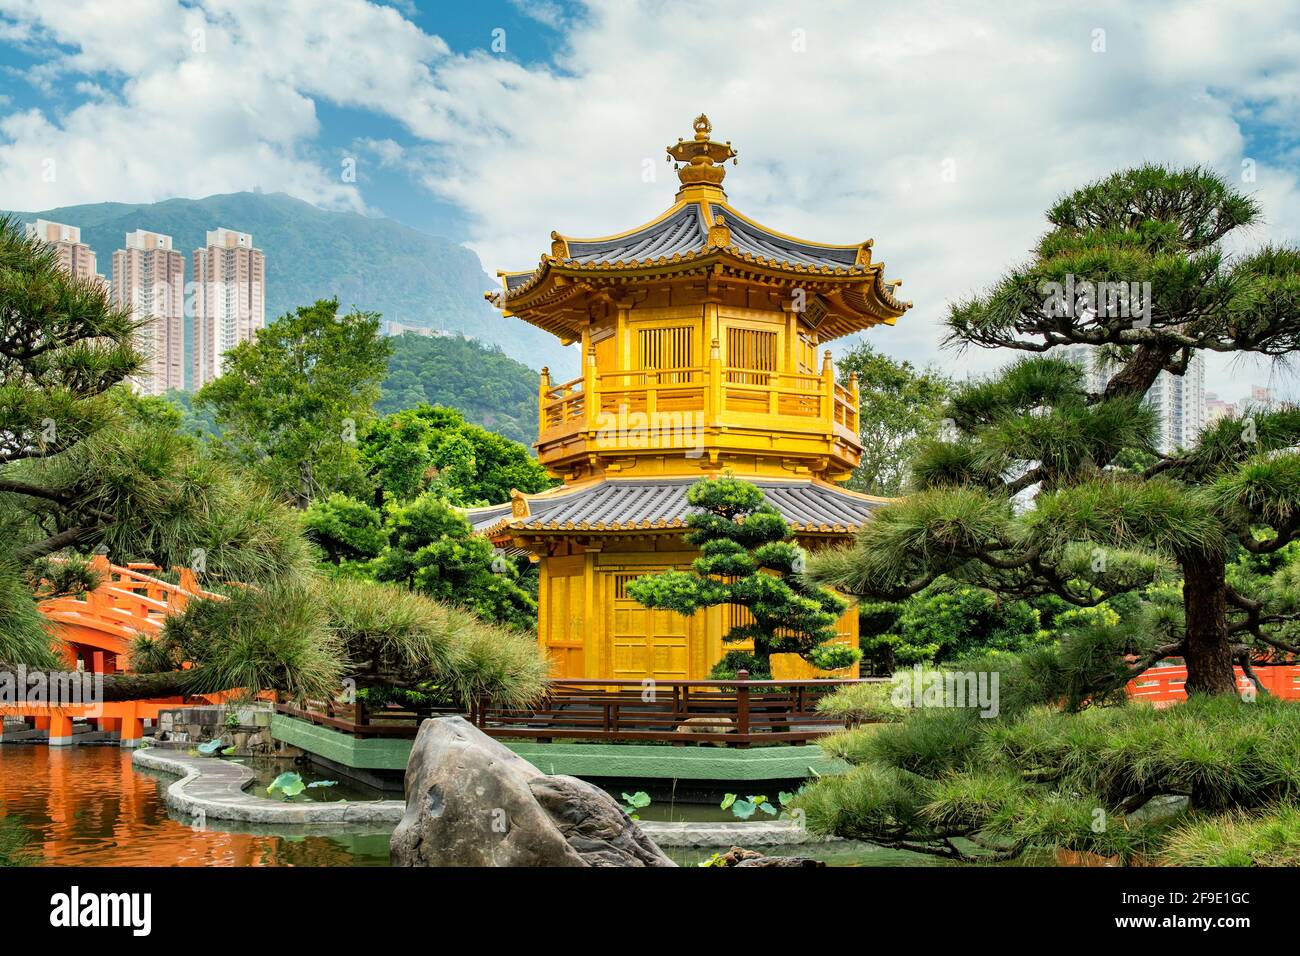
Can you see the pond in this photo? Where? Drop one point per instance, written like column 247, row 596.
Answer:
column 88, row 806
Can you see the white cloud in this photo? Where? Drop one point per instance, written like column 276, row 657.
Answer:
column 845, row 115
column 215, row 98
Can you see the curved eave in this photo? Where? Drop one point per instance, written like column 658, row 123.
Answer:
column 861, row 294
column 523, row 528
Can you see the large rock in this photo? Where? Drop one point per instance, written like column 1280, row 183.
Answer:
column 472, row 802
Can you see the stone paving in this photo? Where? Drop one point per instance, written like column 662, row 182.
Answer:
column 747, row 834
column 215, row 789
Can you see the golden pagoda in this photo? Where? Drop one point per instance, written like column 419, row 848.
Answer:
column 699, row 335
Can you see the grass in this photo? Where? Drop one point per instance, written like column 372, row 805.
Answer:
column 1044, row 778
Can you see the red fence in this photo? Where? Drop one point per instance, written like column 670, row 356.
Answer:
column 1163, row 685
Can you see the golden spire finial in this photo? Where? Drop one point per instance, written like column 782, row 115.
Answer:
column 700, row 161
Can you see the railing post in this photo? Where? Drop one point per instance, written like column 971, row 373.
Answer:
column 713, row 387
column 742, row 708
column 855, row 396
column 590, row 401
column 828, row 392
column 544, row 390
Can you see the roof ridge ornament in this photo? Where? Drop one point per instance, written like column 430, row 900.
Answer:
column 719, row 233
column 700, row 161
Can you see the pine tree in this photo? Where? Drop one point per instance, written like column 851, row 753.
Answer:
column 1133, row 266
column 747, row 558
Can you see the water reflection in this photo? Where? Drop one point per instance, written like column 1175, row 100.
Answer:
column 87, row 806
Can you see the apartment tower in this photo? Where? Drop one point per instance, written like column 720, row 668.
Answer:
column 229, row 299
column 76, row 258
column 149, row 279
column 1178, row 400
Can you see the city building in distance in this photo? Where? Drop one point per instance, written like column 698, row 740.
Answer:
column 1179, row 400
column 149, row 279
column 76, row 258
column 229, row 300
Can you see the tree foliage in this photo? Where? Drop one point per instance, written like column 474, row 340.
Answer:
column 433, row 449
column 747, row 559
column 900, row 407
column 433, row 550
column 487, row 386
column 85, row 463
column 1128, row 781
column 944, row 622
column 1094, row 529
column 305, row 638
column 291, row 401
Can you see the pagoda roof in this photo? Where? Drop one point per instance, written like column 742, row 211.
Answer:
column 702, row 232
column 659, row 504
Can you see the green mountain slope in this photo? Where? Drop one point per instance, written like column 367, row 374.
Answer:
column 379, row 265
column 488, row 387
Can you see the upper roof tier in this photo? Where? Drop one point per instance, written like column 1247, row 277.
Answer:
column 702, row 233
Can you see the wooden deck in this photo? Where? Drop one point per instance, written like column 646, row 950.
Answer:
column 728, row 713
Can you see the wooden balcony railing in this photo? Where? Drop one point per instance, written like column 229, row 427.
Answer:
column 805, row 402
column 737, row 713
column 361, row 720
column 563, row 406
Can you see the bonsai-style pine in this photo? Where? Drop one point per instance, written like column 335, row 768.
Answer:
column 1133, row 266
column 747, row 559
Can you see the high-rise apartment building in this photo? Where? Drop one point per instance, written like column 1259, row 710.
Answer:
column 76, row 258
column 149, row 279
column 229, row 299
column 1179, row 400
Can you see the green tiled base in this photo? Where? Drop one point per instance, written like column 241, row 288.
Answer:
column 624, row 761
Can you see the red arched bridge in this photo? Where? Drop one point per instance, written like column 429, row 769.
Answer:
column 96, row 629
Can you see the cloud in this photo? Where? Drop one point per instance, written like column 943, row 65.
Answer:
column 848, row 118
column 213, row 98
column 942, row 131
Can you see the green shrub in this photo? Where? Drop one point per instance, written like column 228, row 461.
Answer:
column 1214, row 778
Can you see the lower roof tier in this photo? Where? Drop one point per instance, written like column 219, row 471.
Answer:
column 629, row 505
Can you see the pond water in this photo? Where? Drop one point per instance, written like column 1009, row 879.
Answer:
column 319, row 785
column 88, row 806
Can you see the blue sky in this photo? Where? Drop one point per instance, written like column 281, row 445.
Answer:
column 940, row 130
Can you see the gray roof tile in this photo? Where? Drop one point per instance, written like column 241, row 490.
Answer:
column 660, row 502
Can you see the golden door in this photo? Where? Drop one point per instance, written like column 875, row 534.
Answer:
column 645, row 643
column 562, row 626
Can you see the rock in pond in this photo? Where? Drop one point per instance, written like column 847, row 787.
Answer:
column 472, row 802
column 738, row 856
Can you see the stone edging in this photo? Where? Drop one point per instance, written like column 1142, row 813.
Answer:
column 214, row 788
column 748, row 834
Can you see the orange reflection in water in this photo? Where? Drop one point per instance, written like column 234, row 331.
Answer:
column 86, row 806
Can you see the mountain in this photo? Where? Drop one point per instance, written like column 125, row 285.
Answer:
column 488, row 387
column 378, row 265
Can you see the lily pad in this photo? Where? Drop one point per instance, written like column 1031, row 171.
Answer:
column 288, row 783
column 211, row 747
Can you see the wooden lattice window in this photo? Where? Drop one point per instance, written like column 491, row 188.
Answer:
column 670, row 351
column 751, row 356
column 620, row 585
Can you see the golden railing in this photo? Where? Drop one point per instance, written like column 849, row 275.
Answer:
column 806, row 401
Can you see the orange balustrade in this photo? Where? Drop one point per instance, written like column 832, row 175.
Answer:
column 1163, row 686
column 97, row 628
